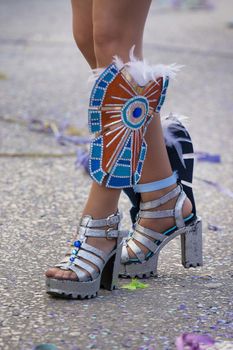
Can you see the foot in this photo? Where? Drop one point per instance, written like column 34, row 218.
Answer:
column 104, row 244
column 159, row 224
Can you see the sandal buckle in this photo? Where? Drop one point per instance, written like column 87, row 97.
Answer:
column 108, row 233
column 112, row 220
column 84, row 221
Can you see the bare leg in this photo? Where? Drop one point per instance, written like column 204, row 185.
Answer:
column 155, row 170
column 83, row 29
column 117, row 26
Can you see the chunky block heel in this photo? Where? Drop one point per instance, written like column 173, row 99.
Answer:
column 190, row 230
column 110, row 272
column 191, row 245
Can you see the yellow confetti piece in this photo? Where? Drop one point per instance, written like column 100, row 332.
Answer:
column 73, row 131
column 3, row 76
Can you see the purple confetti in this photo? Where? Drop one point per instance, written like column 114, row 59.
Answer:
column 59, row 131
column 217, row 186
column 214, row 227
column 207, row 157
column 182, row 307
column 82, row 159
column 191, row 341
column 76, row 140
column 39, row 126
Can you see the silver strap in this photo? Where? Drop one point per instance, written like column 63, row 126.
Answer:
column 136, row 249
column 178, row 210
column 124, row 253
column 101, row 254
column 111, row 220
column 87, row 267
column 145, row 241
column 82, row 275
column 156, row 214
column 89, row 232
column 62, row 265
column 98, row 262
column 151, row 233
column 65, row 260
column 162, row 200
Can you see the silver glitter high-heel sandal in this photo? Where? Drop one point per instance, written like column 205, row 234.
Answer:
column 189, row 229
column 90, row 279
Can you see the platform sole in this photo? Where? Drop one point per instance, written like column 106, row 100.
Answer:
column 191, row 253
column 107, row 279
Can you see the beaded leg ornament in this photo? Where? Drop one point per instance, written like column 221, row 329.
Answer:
column 124, row 99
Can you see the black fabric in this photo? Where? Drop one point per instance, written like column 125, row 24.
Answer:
column 185, row 174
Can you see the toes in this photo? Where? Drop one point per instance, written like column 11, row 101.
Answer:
column 70, row 275
column 59, row 274
column 51, row 272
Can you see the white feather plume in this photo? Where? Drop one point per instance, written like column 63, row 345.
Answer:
column 141, row 71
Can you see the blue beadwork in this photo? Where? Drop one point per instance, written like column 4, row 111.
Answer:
column 131, row 117
column 122, row 171
column 119, row 182
column 95, row 163
column 102, row 82
column 137, row 112
column 77, row 244
column 74, row 251
column 163, row 94
column 95, row 160
column 127, row 113
column 99, row 175
column 142, row 157
column 123, row 180
column 72, row 258
column 94, row 120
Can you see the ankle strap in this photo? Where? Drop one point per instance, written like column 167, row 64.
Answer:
column 111, row 220
column 109, row 233
column 156, row 185
column 162, row 200
column 176, row 212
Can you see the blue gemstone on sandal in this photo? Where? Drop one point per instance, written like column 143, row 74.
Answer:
column 72, row 258
column 74, row 251
column 77, row 244
column 137, row 112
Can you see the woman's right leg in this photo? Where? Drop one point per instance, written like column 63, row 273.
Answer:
column 103, row 201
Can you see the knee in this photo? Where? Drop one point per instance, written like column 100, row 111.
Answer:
column 83, row 40
column 106, row 38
